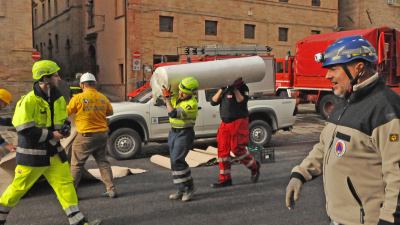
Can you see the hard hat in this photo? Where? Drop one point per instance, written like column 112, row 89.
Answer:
column 5, row 96
column 87, row 77
column 347, row 49
column 188, row 85
column 44, row 68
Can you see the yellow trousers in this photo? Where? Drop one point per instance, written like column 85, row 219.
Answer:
column 57, row 174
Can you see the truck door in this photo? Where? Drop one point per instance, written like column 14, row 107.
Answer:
column 208, row 115
column 159, row 120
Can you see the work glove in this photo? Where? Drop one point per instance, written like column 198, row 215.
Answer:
column 237, row 83
column 293, row 192
column 166, row 92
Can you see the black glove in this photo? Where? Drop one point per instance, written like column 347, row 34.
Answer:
column 66, row 128
column 6, row 121
column 238, row 83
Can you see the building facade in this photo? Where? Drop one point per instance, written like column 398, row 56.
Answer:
column 158, row 30
column 361, row 14
column 58, row 34
column 15, row 46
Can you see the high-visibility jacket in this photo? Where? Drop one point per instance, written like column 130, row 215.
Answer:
column 35, row 118
column 186, row 112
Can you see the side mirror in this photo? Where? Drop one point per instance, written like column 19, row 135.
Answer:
column 159, row 102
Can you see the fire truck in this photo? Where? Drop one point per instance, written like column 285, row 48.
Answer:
column 301, row 77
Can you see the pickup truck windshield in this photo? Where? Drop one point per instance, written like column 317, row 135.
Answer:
column 143, row 97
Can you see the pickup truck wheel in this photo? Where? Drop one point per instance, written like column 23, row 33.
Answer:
column 327, row 104
column 125, row 143
column 260, row 132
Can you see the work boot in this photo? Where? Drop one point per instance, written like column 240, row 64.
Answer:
column 188, row 194
column 221, row 184
column 110, row 194
column 255, row 174
column 175, row 196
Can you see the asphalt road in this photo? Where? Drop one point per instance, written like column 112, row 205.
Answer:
column 143, row 198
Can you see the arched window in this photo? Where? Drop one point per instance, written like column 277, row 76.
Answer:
column 50, row 47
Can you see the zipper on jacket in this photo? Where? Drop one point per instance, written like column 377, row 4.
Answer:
column 357, row 198
column 344, row 110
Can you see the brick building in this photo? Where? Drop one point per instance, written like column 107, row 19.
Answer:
column 157, row 29
column 360, row 14
column 58, row 33
column 15, row 46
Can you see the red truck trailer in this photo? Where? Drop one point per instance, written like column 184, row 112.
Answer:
column 301, row 77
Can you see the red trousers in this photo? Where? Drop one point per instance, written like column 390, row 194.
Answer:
column 233, row 137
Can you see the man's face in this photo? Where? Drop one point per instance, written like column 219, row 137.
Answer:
column 339, row 79
column 54, row 80
column 183, row 96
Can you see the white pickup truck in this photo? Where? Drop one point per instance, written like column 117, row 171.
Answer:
column 140, row 121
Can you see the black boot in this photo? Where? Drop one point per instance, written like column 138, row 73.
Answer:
column 221, row 184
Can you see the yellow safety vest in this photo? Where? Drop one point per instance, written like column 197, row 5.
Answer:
column 186, row 112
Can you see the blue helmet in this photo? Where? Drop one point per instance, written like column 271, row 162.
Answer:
column 347, row 49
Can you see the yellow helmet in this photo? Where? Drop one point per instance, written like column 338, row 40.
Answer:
column 44, row 68
column 5, row 96
column 188, row 85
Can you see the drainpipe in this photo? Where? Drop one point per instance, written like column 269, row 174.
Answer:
column 126, row 50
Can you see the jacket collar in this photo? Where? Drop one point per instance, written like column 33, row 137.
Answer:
column 366, row 88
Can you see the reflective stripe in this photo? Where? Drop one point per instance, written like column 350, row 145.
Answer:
column 25, row 125
column 243, row 156
column 72, row 209
column 176, row 173
column 228, row 171
column 5, row 209
column 43, row 137
column 182, row 180
column 76, row 218
column 180, row 112
column 223, row 159
column 188, row 123
column 29, row 151
column 250, row 164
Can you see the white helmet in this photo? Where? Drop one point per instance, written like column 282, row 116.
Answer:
column 87, row 77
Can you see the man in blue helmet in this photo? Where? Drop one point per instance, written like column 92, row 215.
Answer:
column 359, row 149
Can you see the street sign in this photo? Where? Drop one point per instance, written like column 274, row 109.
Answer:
column 136, row 55
column 35, row 55
column 136, row 64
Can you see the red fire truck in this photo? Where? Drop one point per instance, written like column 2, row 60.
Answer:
column 301, row 77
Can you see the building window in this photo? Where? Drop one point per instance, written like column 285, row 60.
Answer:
column 166, row 24
column 315, row 2
column 249, row 31
column 165, row 58
column 41, row 48
column 43, row 13
column 67, row 3
column 283, row 0
column 56, row 39
column 283, row 34
column 68, row 47
column 55, row 7
column 119, row 8
column 35, row 19
column 49, row 8
column 50, row 48
column 210, row 27
column 315, row 32
column 90, row 11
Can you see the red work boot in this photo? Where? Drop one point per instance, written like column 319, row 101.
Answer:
column 255, row 173
column 221, row 184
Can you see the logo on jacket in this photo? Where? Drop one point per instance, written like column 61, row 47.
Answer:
column 340, row 148
column 85, row 100
column 393, row 137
